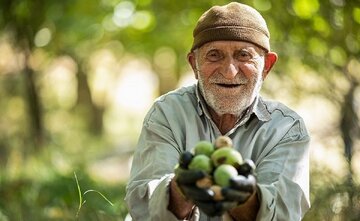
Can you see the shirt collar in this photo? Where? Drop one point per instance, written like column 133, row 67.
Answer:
column 261, row 111
column 201, row 107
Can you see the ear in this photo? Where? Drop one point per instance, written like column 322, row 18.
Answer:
column 192, row 61
column 270, row 60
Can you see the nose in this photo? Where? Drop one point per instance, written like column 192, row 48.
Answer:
column 230, row 69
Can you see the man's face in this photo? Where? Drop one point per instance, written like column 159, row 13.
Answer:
column 230, row 74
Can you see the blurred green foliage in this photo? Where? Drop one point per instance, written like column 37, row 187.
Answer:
column 64, row 107
column 57, row 199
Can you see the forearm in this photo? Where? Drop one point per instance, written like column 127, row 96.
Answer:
column 248, row 210
column 178, row 204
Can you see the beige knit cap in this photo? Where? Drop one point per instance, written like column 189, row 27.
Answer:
column 234, row 21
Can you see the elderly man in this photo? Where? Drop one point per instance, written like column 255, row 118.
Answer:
column 230, row 57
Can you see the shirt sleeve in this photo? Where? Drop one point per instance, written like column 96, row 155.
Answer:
column 159, row 202
column 283, row 178
column 147, row 193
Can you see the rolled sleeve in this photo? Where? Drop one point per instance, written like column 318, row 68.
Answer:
column 152, row 170
column 267, row 204
column 283, row 179
column 159, row 200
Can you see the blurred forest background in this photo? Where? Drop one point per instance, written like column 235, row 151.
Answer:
column 78, row 76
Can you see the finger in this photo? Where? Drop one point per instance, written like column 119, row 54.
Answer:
column 242, row 183
column 185, row 159
column 188, row 176
column 213, row 208
column 208, row 208
column 248, row 167
column 235, row 195
column 197, row 194
column 227, row 205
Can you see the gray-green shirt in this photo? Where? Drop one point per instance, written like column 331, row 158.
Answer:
column 270, row 134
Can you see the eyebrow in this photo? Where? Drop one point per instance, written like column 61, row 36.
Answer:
column 251, row 50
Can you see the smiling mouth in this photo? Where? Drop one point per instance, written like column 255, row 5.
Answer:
column 229, row 85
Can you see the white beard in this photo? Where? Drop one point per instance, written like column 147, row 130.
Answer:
column 230, row 103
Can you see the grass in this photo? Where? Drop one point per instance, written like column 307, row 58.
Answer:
column 61, row 199
column 81, row 195
column 57, row 182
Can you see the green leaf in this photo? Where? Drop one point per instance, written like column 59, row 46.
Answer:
column 305, row 8
column 356, row 14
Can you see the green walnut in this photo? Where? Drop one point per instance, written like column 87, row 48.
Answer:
column 223, row 174
column 226, row 155
column 223, row 141
column 201, row 162
column 204, row 147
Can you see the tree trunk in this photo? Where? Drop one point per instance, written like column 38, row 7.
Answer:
column 34, row 106
column 91, row 113
column 350, row 131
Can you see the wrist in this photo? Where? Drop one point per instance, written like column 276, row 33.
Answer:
column 179, row 205
column 176, row 187
column 248, row 210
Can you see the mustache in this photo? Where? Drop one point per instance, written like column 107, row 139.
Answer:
column 219, row 79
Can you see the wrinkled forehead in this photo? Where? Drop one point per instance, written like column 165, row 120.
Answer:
column 230, row 46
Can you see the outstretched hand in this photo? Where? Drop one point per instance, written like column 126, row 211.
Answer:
column 215, row 201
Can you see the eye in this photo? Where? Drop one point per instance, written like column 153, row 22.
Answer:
column 243, row 55
column 214, row 55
